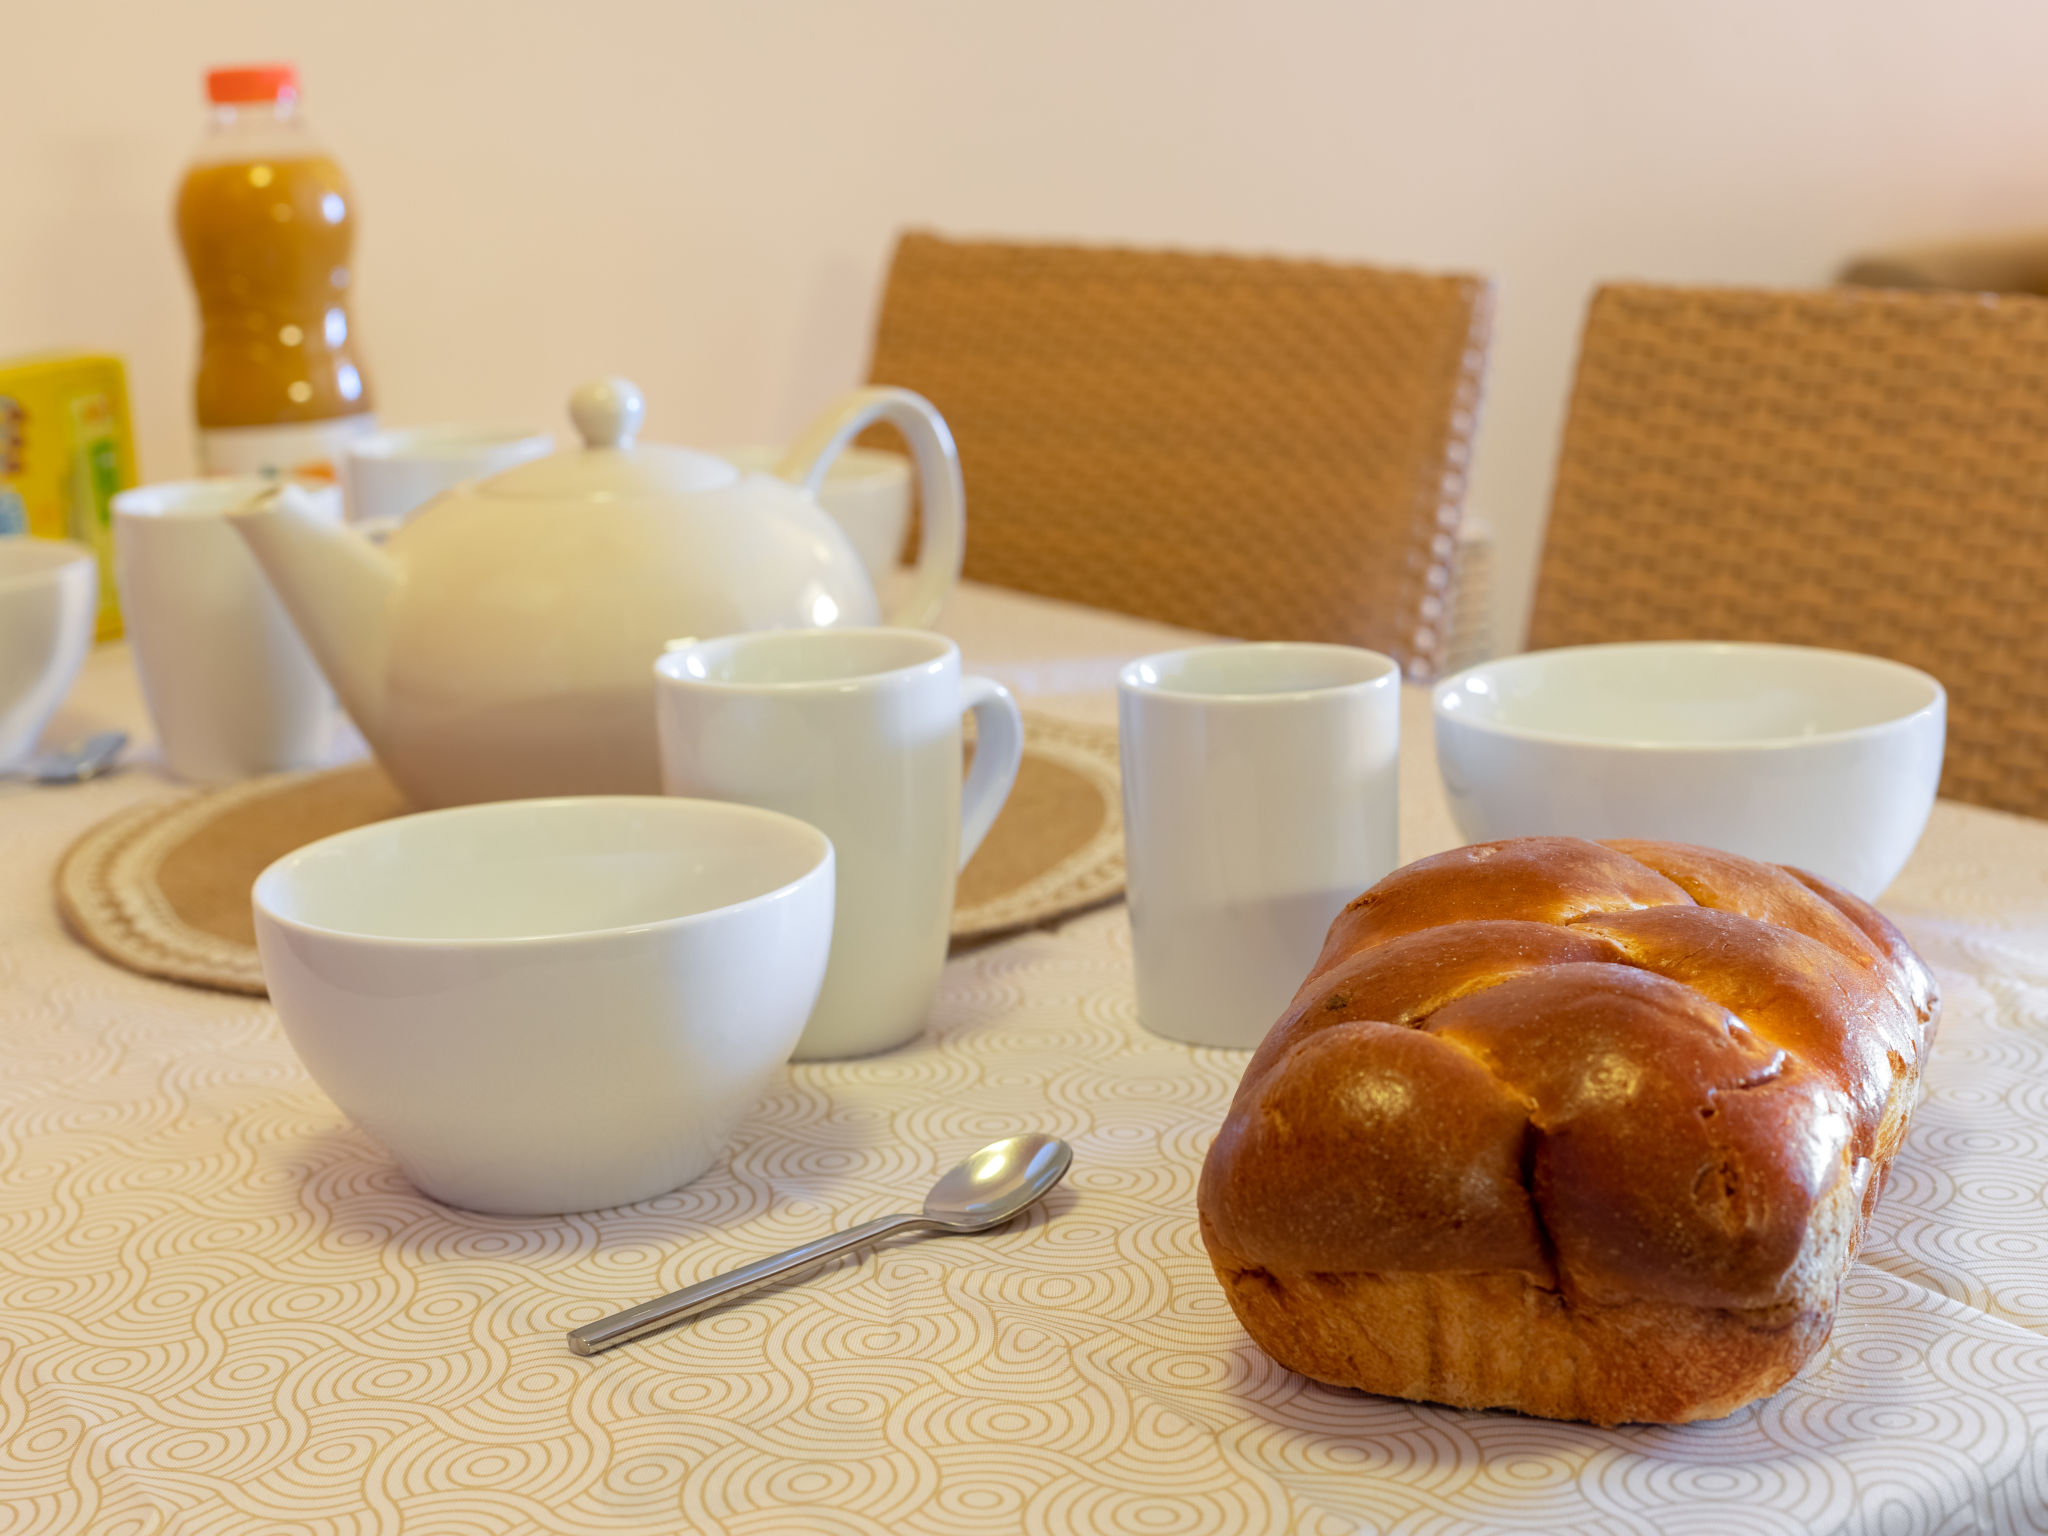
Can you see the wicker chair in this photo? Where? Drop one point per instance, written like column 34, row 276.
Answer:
column 1850, row 468
column 1262, row 448
column 2002, row 264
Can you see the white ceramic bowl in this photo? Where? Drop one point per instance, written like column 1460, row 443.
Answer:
column 49, row 597
column 1826, row 760
column 541, row 1006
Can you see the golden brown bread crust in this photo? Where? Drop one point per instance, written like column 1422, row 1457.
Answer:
column 1586, row 1130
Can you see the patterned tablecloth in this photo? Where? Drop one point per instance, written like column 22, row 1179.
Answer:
column 222, row 1310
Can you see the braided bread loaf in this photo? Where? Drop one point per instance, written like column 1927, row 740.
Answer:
column 1586, row 1130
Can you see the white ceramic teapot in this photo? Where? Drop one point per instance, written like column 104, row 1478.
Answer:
column 501, row 643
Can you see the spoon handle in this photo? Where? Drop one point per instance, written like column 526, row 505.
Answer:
column 664, row 1311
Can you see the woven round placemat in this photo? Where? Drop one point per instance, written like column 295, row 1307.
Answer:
column 163, row 888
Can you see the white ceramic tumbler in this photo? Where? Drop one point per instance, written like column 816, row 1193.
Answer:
column 1260, row 795
column 856, row 731
column 232, row 689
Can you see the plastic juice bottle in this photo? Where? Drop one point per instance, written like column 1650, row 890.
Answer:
column 266, row 222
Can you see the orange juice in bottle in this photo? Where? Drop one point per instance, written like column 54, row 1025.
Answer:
column 266, row 220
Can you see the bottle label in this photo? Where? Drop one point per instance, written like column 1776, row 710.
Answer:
column 304, row 450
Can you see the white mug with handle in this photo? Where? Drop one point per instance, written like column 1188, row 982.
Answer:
column 856, row 731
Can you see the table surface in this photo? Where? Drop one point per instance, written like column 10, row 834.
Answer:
column 223, row 1310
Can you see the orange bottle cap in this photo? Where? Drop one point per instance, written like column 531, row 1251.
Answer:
column 252, row 82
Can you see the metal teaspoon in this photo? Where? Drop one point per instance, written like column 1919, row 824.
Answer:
column 89, row 761
column 998, row 1183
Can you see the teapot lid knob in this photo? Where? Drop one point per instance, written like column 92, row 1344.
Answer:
column 607, row 412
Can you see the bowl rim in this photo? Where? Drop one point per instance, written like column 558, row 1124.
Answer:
column 61, row 555
column 1937, row 700
column 821, row 866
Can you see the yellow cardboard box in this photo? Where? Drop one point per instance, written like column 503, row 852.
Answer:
column 66, row 447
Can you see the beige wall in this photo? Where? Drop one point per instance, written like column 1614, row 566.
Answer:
column 702, row 195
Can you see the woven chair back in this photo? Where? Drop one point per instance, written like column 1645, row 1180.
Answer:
column 1270, row 449
column 1847, row 468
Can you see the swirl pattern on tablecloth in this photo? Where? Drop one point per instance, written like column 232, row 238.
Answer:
column 222, row 1309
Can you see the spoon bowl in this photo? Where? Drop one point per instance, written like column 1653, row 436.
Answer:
column 93, row 757
column 1000, row 1182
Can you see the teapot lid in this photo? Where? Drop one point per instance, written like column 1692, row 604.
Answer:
column 611, row 466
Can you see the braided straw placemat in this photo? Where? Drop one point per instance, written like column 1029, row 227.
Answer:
column 1271, row 449
column 163, row 888
column 1848, row 468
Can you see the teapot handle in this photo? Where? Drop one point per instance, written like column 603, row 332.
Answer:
column 944, row 541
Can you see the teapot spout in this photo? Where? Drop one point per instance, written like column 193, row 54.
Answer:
column 337, row 587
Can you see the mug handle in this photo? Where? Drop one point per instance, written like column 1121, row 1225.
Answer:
column 998, row 750
column 944, row 541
